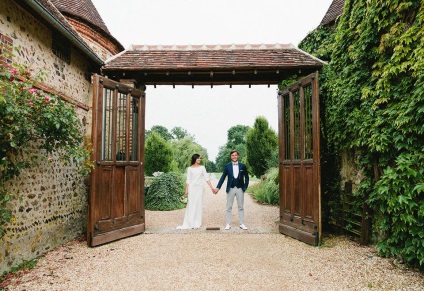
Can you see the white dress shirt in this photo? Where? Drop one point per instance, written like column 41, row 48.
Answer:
column 235, row 170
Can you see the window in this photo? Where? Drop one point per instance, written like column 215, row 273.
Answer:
column 61, row 47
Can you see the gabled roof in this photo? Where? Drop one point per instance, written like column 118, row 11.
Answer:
column 84, row 12
column 51, row 15
column 211, row 64
column 83, row 9
column 335, row 10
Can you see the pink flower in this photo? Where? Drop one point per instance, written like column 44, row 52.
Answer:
column 30, row 104
column 47, row 99
column 31, row 90
column 13, row 71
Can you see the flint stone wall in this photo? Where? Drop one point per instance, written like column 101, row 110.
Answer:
column 50, row 206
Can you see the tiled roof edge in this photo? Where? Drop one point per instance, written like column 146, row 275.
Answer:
column 311, row 56
column 209, row 47
column 116, row 56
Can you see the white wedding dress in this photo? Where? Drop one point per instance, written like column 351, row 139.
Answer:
column 196, row 176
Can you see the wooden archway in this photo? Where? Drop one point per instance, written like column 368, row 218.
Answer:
column 116, row 199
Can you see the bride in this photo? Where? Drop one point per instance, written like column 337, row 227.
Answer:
column 196, row 175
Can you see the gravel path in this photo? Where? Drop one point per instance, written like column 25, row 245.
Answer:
column 164, row 258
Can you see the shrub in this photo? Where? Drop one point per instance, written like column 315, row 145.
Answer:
column 165, row 192
column 158, row 155
column 267, row 191
column 261, row 141
column 33, row 126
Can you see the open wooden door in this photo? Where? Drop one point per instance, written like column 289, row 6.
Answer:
column 116, row 204
column 299, row 160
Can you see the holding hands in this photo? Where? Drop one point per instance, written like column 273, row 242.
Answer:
column 215, row 190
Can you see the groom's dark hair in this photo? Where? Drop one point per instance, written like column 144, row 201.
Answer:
column 234, row 151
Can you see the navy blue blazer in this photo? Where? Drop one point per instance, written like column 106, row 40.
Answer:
column 228, row 171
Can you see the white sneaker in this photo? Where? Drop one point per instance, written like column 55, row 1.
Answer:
column 227, row 227
column 242, row 226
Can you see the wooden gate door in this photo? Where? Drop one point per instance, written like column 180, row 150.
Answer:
column 116, row 204
column 299, row 160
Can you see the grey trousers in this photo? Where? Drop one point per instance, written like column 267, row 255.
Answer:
column 239, row 194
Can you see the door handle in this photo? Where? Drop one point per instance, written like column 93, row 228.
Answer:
column 98, row 163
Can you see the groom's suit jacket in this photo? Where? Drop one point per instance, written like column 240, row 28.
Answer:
column 243, row 177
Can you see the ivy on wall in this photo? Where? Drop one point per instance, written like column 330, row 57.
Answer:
column 374, row 90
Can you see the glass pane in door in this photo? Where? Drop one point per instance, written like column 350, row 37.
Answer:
column 286, row 116
column 134, row 129
column 296, row 130
column 308, row 122
column 121, row 127
column 107, row 124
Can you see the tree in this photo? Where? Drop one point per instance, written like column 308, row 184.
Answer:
column 237, row 135
column 236, row 140
column 261, row 141
column 158, row 154
column 184, row 149
column 210, row 167
column 179, row 133
column 161, row 130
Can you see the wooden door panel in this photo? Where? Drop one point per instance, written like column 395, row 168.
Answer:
column 286, row 184
column 133, row 186
column 104, row 195
column 299, row 156
column 309, row 192
column 117, row 223
column 116, row 208
column 118, row 192
column 297, row 189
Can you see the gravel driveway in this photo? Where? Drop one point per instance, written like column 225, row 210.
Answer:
column 164, row 258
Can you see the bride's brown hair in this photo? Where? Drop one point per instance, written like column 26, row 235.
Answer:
column 194, row 158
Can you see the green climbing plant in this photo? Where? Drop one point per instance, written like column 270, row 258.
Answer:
column 33, row 125
column 374, row 107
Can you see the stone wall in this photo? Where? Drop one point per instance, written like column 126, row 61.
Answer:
column 50, row 204
column 348, row 170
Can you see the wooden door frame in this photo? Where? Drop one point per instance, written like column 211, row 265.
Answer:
column 296, row 224
column 94, row 239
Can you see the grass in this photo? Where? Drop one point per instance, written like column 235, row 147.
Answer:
column 23, row 267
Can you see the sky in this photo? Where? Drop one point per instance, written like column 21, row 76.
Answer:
column 205, row 112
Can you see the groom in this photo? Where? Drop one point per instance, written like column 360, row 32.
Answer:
column 238, row 180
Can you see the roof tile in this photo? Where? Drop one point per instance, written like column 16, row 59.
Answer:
column 83, row 9
column 335, row 10
column 235, row 56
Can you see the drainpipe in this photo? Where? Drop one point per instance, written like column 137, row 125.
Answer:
column 46, row 15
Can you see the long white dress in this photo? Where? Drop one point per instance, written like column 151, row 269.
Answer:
column 196, row 176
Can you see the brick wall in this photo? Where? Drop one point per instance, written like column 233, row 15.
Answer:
column 50, row 204
column 6, row 44
column 97, row 41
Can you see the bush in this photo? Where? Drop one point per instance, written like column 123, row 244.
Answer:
column 261, row 141
column 158, row 154
column 165, row 192
column 267, row 191
column 33, row 125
